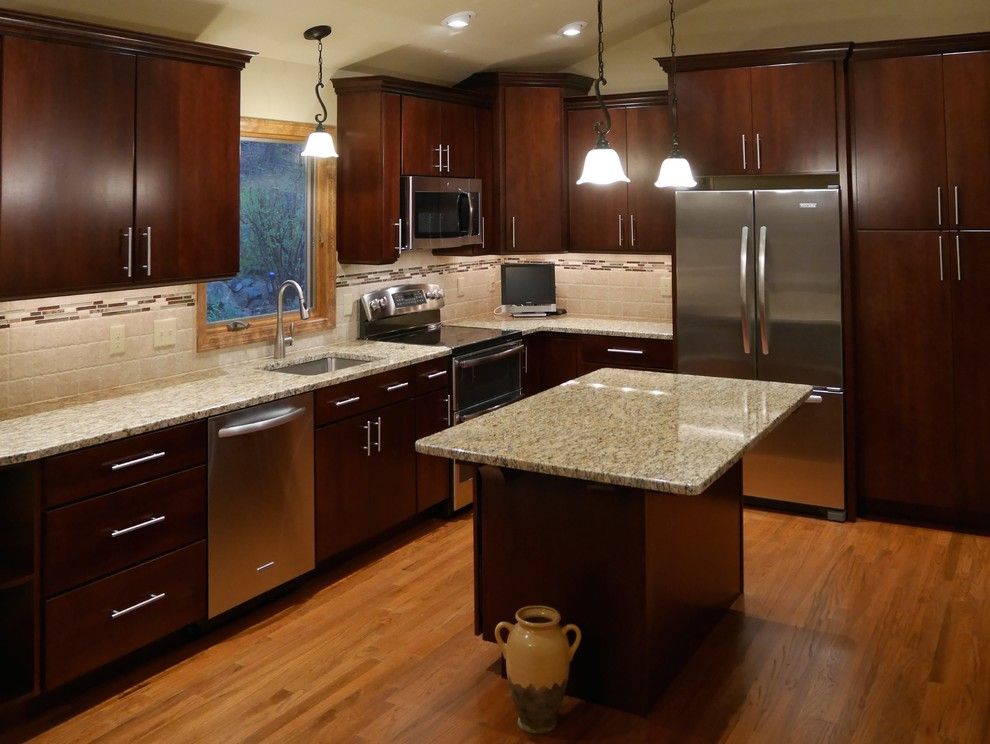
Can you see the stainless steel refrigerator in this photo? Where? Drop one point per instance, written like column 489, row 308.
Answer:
column 759, row 297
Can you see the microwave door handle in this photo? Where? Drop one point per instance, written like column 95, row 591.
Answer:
column 470, row 203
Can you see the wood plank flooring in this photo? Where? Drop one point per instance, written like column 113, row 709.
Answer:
column 864, row 632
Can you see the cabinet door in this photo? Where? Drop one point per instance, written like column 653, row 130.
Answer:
column 716, row 121
column 967, row 121
column 651, row 210
column 67, row 191
column 432, row 473
column 971, row 368
column 343, row 486
column 794, row 125
column 187, row 175
column 459, row 136
column 904, row 359
column 598, row 214
column 533, row 152
column 393, row 466
column 421, row 136
column 899, row 134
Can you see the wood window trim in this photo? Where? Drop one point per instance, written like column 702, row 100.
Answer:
column 211, row 336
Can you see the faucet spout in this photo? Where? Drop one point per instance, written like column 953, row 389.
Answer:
column 281, row 340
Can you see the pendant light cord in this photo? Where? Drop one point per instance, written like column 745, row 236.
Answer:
column 676, row 152
column 320, row 118
column 600, row 81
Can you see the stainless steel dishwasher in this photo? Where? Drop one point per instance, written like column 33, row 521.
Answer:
column 261, row 529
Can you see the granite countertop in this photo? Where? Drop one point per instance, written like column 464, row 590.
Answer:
column 33, row 432
column 650, row 430
column 572, row 324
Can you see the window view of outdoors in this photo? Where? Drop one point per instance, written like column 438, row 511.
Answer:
column 275, row 232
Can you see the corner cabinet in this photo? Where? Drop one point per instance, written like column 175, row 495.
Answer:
column 119, row 162
column 765, row 112
column 388, row 128
column 629, row 218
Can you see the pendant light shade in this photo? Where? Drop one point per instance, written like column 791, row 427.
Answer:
column 320, row 143
column 675, row 170
column 602, row 165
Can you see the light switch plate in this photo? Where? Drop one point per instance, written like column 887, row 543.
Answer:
column 117, row 346
column 164, row 333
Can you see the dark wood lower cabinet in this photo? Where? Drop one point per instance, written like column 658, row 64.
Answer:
column 433, row 414
column 365, row 477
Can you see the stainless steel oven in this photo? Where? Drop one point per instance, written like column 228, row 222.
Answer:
column 440, row 212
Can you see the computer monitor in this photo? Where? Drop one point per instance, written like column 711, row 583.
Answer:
column 529, row 288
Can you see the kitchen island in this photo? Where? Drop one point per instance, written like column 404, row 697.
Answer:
column 617, row 499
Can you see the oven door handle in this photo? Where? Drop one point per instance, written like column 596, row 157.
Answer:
column 462, row 419
column 488, row 358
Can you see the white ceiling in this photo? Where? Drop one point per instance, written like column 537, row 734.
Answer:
column 382, row 36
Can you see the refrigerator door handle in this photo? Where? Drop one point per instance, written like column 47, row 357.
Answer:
column 743, row 294
column 761, row 291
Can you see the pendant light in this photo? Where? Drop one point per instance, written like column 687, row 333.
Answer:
column 320, row 143
column 675, row 171
column 601, row 164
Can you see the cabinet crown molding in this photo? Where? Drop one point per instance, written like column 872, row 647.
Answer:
column 759, row 57
column 572, row 84
column 388, row 84
column 926, row 45
column 48, row 28
column 618, row 100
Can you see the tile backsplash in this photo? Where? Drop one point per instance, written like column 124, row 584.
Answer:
column 60, row 347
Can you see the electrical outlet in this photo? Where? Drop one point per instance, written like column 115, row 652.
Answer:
column 117, row 340
column 460, row 286
column 164, row 333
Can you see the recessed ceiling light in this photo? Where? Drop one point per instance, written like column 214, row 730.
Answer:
column 573, row 29
column 459, row 20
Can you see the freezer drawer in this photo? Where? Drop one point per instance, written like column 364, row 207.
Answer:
column 801, row 461
column 260, row 500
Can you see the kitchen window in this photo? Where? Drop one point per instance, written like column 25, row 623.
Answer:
column 286, row 232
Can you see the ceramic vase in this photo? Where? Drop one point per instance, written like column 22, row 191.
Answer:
column 538, row 656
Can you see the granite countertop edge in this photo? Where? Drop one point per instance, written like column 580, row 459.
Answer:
column 573, row 324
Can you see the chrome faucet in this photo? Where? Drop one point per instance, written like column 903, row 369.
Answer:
column 281, row 340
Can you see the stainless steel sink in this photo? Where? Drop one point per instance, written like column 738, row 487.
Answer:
column 320, row 366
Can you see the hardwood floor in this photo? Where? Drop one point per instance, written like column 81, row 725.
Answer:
column 864, row 632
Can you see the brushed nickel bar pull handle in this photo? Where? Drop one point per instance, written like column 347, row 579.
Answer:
column 264, row 566
column 439, row 151
column 137, row 461
column 743, row 294
column 138, row 526
column 449, row 420
column 114, row 614
column 146, row 234
column 399, row 247
column 447, row 148
column 632, row 230
column 814, row 398
column 958, row 260
column 941, row 263
column 761, row 290
column 513, row 232
column 482, row 232
column 347, row 401
column 620, row 230
column 435, row 375
column 955, row 191
column 378, row 442
column 635, row 352
column 940, row 206
column 759, row 163
column 396, row 386
column 367, row 433
column 744, row 151
column 129, row 234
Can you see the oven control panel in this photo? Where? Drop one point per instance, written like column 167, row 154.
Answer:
column 401, row 299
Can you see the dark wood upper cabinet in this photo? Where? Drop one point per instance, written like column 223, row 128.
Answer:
column 967, row 123
column 904, row 363
column 187, row 171
column 459, row 122
column 421, row 137
column 651, row 210
column 94, row 117
column 67, row 192
column 715, row 121
column 899, row 143
column 766, row 112
column 794, row 120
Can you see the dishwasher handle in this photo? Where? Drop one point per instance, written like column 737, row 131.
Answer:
column 283, row 417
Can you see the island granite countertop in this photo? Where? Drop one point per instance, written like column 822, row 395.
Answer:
column 651, row 430
column 578, row 324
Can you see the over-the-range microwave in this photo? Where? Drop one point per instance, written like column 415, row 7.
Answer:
column 439, row 212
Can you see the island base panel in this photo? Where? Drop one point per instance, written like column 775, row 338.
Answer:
column 646, row 575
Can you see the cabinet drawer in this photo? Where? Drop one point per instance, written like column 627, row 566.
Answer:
column 98, row 536
column 97, row 623
column 107, row 467
column 622, row 351
column 432, row 375
column 357, row 396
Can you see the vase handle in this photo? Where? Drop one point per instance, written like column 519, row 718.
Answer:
column 577, row 639
column 498, row 633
